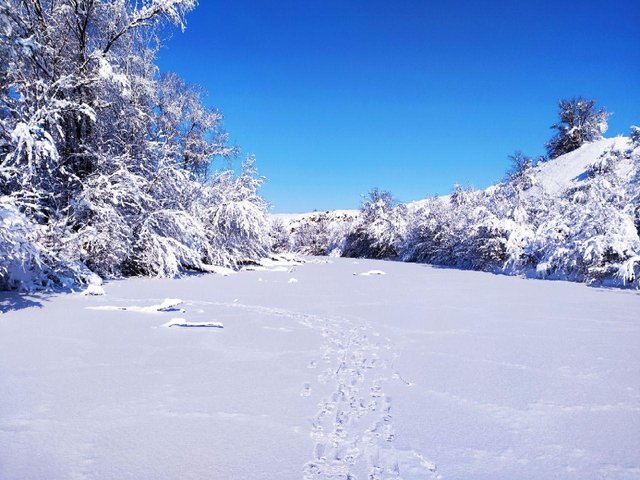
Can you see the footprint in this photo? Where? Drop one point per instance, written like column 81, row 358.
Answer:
column 376, row 391
column 306, row 390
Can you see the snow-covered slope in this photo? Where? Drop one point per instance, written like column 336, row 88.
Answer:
column 571, row 170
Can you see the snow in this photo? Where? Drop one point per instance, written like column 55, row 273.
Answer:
column 219, row 270
column 293, row 217
column 424, row 372
column 93, row 289
column 556, row 175
column 370, row 273
column 167, row 305
column 181, row 322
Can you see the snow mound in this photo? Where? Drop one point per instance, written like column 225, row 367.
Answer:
column 94, row 290
column 168, row 305
column 260, row 268
column 371, row 273
column 285, row 259
column 181, row 322
column 218, row 270
column 571, row 169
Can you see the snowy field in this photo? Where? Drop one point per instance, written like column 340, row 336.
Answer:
column 310, row 371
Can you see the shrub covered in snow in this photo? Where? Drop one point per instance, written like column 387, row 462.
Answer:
column 379, row 229
column 320, row 234
column 579, row 122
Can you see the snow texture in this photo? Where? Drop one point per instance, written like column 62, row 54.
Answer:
column 94, row 290
column 425, row 373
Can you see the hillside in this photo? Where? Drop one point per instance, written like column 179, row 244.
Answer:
column 571, row 170
column 573, row 217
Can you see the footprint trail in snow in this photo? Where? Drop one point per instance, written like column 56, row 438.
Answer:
column 353, row 427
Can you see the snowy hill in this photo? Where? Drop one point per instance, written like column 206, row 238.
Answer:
column 572, row 169
column 574, row 217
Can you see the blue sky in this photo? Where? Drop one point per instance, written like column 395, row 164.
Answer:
column 336, row 97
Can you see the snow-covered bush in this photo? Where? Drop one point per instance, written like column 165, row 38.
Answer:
column 380, row 228
column 635, row 136
column 579, row 122
column 235, row 218
column 19, row 251
column 521, row 170
column 605, row 163
column 589, row 241
column 280, row 235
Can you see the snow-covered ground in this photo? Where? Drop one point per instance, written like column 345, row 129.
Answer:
column 415, row 373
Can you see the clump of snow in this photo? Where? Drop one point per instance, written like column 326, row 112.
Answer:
column 371, row 273
column 260, row 268
column 94, row 290
column 181, row 322
column 283, row 259
column 224, row 271
column 293, row 280
column 168, row 305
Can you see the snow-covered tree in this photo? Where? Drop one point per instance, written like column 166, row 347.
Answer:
column 18, row 246
column 580, row 122
column 635, row 136
column 520, row 170
column 110, row 163
column 379, row 229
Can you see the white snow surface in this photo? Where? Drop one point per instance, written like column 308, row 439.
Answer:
column 570, row 169
column 93, row 289
column 424, row 372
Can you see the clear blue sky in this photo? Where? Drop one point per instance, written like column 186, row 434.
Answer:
column 337, row 96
